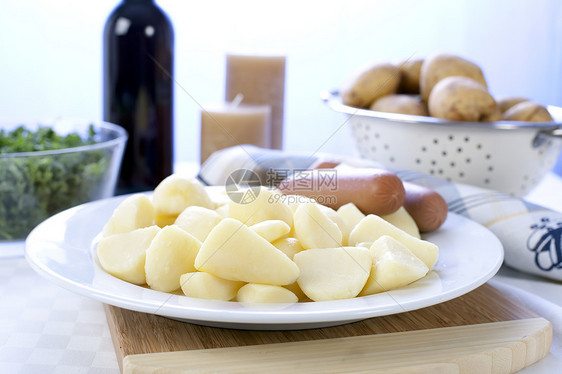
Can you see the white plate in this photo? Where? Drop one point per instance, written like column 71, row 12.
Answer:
column 62, row 249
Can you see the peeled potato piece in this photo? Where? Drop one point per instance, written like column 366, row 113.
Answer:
column 394, row 266
column 294, row 201
column 267, row 205
column 133, row 213
column 171, row 253
column 314, row 229
column 233, row 251
column 207, row 286
column 176, row 193
column 296, row 289
column 163, row 221
column 333, row 273
column 289, row 246
column 265, row 293
column 222, row 210
column 372, row 227
column 123, row 255
column 335, row 217
column 198, row 221
column 350, row 214
column 272, row 229
column 404, row 221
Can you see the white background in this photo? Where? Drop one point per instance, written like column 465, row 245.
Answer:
column 51, row 63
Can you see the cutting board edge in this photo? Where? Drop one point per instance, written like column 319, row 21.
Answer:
column 533, row 339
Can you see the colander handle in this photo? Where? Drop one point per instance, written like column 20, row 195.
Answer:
column 557, row 132
column 543, row 135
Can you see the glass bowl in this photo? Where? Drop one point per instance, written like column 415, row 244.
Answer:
column 34, row 185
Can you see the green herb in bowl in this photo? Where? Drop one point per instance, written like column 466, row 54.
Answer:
column 45, row 170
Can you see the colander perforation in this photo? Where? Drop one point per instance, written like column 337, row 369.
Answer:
column 481, row 156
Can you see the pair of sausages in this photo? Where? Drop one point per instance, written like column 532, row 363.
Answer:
column 373, row 191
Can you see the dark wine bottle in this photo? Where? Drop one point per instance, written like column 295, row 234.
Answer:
column 138, row 56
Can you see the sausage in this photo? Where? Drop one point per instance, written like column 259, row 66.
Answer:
column 373, row 191
column 324, row 164
column 427, row 207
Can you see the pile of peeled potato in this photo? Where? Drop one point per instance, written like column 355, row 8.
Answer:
column 279, row 247
column 442, row 85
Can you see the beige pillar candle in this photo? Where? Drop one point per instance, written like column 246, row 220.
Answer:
column 261, row 79
column 228, row 124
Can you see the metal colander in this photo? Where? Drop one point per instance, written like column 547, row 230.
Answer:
column 510, row 157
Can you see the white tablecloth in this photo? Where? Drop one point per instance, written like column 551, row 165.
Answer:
column 46, row 329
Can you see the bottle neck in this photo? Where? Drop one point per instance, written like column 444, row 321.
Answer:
column 138, row 1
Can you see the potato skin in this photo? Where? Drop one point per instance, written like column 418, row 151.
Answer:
column 462, row 99
column 403, row 104
column 442, row 65
column 369, row 83
column 410, row 76
column 527, row 111
column 507, row 102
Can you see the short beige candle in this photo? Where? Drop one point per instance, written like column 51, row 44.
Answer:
column 261, row 79
column 227, row 125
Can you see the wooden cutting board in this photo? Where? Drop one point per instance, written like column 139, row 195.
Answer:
column 481, row 332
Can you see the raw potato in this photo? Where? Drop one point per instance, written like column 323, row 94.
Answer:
column 272, row 229
column 394, row 266
column 373, row 227
column 265, row 293
column 176, row 193
column 207, row 286
column 507, row 102
column 235, row 252
column 333, row 273
column 123, row 255
column 527, row 111
column 171, row 253
column 402, row 104
column 269, row 204
column 198, row 221
column 135, row 212
column 350, row 214
column 314, row 229
column 443, row 65
column 410, row 71
column 404, row 221
column 289, row 246
column 462, row 99
column 369, row 83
